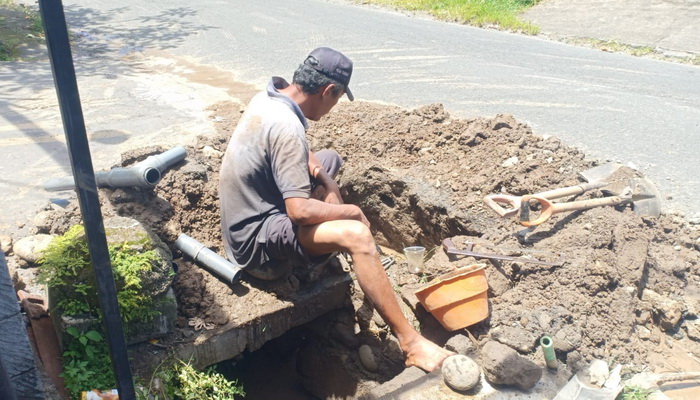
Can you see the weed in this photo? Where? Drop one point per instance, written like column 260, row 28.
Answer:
column 9, row 49
column 498, row 13
column 65, row 267
column 634, row 393
column 86, row 363
column 179, row 380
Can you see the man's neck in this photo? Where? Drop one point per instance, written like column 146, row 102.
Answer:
column 304, row 101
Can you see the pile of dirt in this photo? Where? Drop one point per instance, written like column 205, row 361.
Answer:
column 627, row 290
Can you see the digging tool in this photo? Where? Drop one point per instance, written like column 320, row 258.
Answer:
column 641, row 192
column 595, row 177
column 450, row 248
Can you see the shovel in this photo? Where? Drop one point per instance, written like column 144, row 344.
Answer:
column 596, row 178
column 641, row 192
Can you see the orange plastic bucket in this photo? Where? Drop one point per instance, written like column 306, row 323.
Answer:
column 457, row 299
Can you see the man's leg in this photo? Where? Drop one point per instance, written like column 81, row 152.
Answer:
column 356, row 239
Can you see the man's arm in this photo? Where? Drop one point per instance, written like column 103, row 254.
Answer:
column 312, row 212
column 318, row 172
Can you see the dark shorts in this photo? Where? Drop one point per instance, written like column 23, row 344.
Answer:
column 282, row 247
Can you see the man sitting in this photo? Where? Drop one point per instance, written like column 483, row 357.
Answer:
column 269, row 215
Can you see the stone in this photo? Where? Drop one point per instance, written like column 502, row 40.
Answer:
column 567, row 339
column 575, row 361
column 367, row 358
column 212, row 152
column 460, row 344
column 598, row 372
column 642, row 332
column 692, row 329
column 515, row 337
column 30, row 248
column 510, row 162
column 5, row 243
column 667, row 312
column 137, row 237
column 44, row 220
column 504, row 366
column 460, row 372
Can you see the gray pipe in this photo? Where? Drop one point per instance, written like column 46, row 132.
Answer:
column 146, row 174
column 165, row 160
column 211, row 261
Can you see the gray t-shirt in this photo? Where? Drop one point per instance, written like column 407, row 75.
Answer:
column 266, row 162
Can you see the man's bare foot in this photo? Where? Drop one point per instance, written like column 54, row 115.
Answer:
column 424, row 354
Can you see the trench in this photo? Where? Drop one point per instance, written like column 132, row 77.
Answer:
column 320, row 359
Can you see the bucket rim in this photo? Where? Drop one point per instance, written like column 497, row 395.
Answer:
column 453, row 275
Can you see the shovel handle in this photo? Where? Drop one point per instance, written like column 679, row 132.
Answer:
column 495, row 201
column 548, row 208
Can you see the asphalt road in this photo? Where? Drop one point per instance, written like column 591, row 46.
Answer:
column 612, row 106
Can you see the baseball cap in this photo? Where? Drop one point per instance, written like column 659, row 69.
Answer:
column 332, row 64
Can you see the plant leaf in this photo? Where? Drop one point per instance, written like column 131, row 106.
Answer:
column 94, row 336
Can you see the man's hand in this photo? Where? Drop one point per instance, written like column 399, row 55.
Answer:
column 332, row 195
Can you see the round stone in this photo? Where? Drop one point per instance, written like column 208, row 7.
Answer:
column 367, row 358
column 460, row 372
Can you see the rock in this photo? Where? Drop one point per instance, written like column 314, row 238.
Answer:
column 642, row 332
column 44, row 220
column 5, row 243
column 137, row 237
column 510, row 162
column 668, row 312
column 30, row 248
column 515, row 337
column 598, row 372
column 460, row 372
column 367, row 358
column 575, row 361
column 692, row 329
column 212, row 152
column 460, row 344
column 504, row 366
column 567, row 339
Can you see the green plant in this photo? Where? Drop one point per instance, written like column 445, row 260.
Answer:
column 9, row 49
column 86, row 362
column 65, row 267
column 500, row 13
column 180, row 381
column 634, row 393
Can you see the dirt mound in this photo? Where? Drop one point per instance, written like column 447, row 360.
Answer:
column 627, row 290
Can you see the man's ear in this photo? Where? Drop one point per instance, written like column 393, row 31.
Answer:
column 328, row 89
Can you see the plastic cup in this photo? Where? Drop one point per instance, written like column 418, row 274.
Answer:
column 414, row 258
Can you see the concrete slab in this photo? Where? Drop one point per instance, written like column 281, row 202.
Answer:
column 660, row 24
column 266, row 317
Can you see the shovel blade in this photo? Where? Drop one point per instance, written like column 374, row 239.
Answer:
column 646, row 199
column 600, row 173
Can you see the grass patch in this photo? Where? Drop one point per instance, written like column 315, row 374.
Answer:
column 502, row 14
column 20, row 26
column 634, row 393
column 638, row 51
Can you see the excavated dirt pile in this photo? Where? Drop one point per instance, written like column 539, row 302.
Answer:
column 627, row 290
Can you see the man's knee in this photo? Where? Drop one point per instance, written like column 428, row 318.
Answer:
column 358, row 237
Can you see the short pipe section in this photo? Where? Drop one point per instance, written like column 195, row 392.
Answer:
column 208, row 259
column 548, row 349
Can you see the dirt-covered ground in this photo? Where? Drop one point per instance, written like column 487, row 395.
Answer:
column 627, row 291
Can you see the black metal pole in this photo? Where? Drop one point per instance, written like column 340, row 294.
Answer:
column 79, row 152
